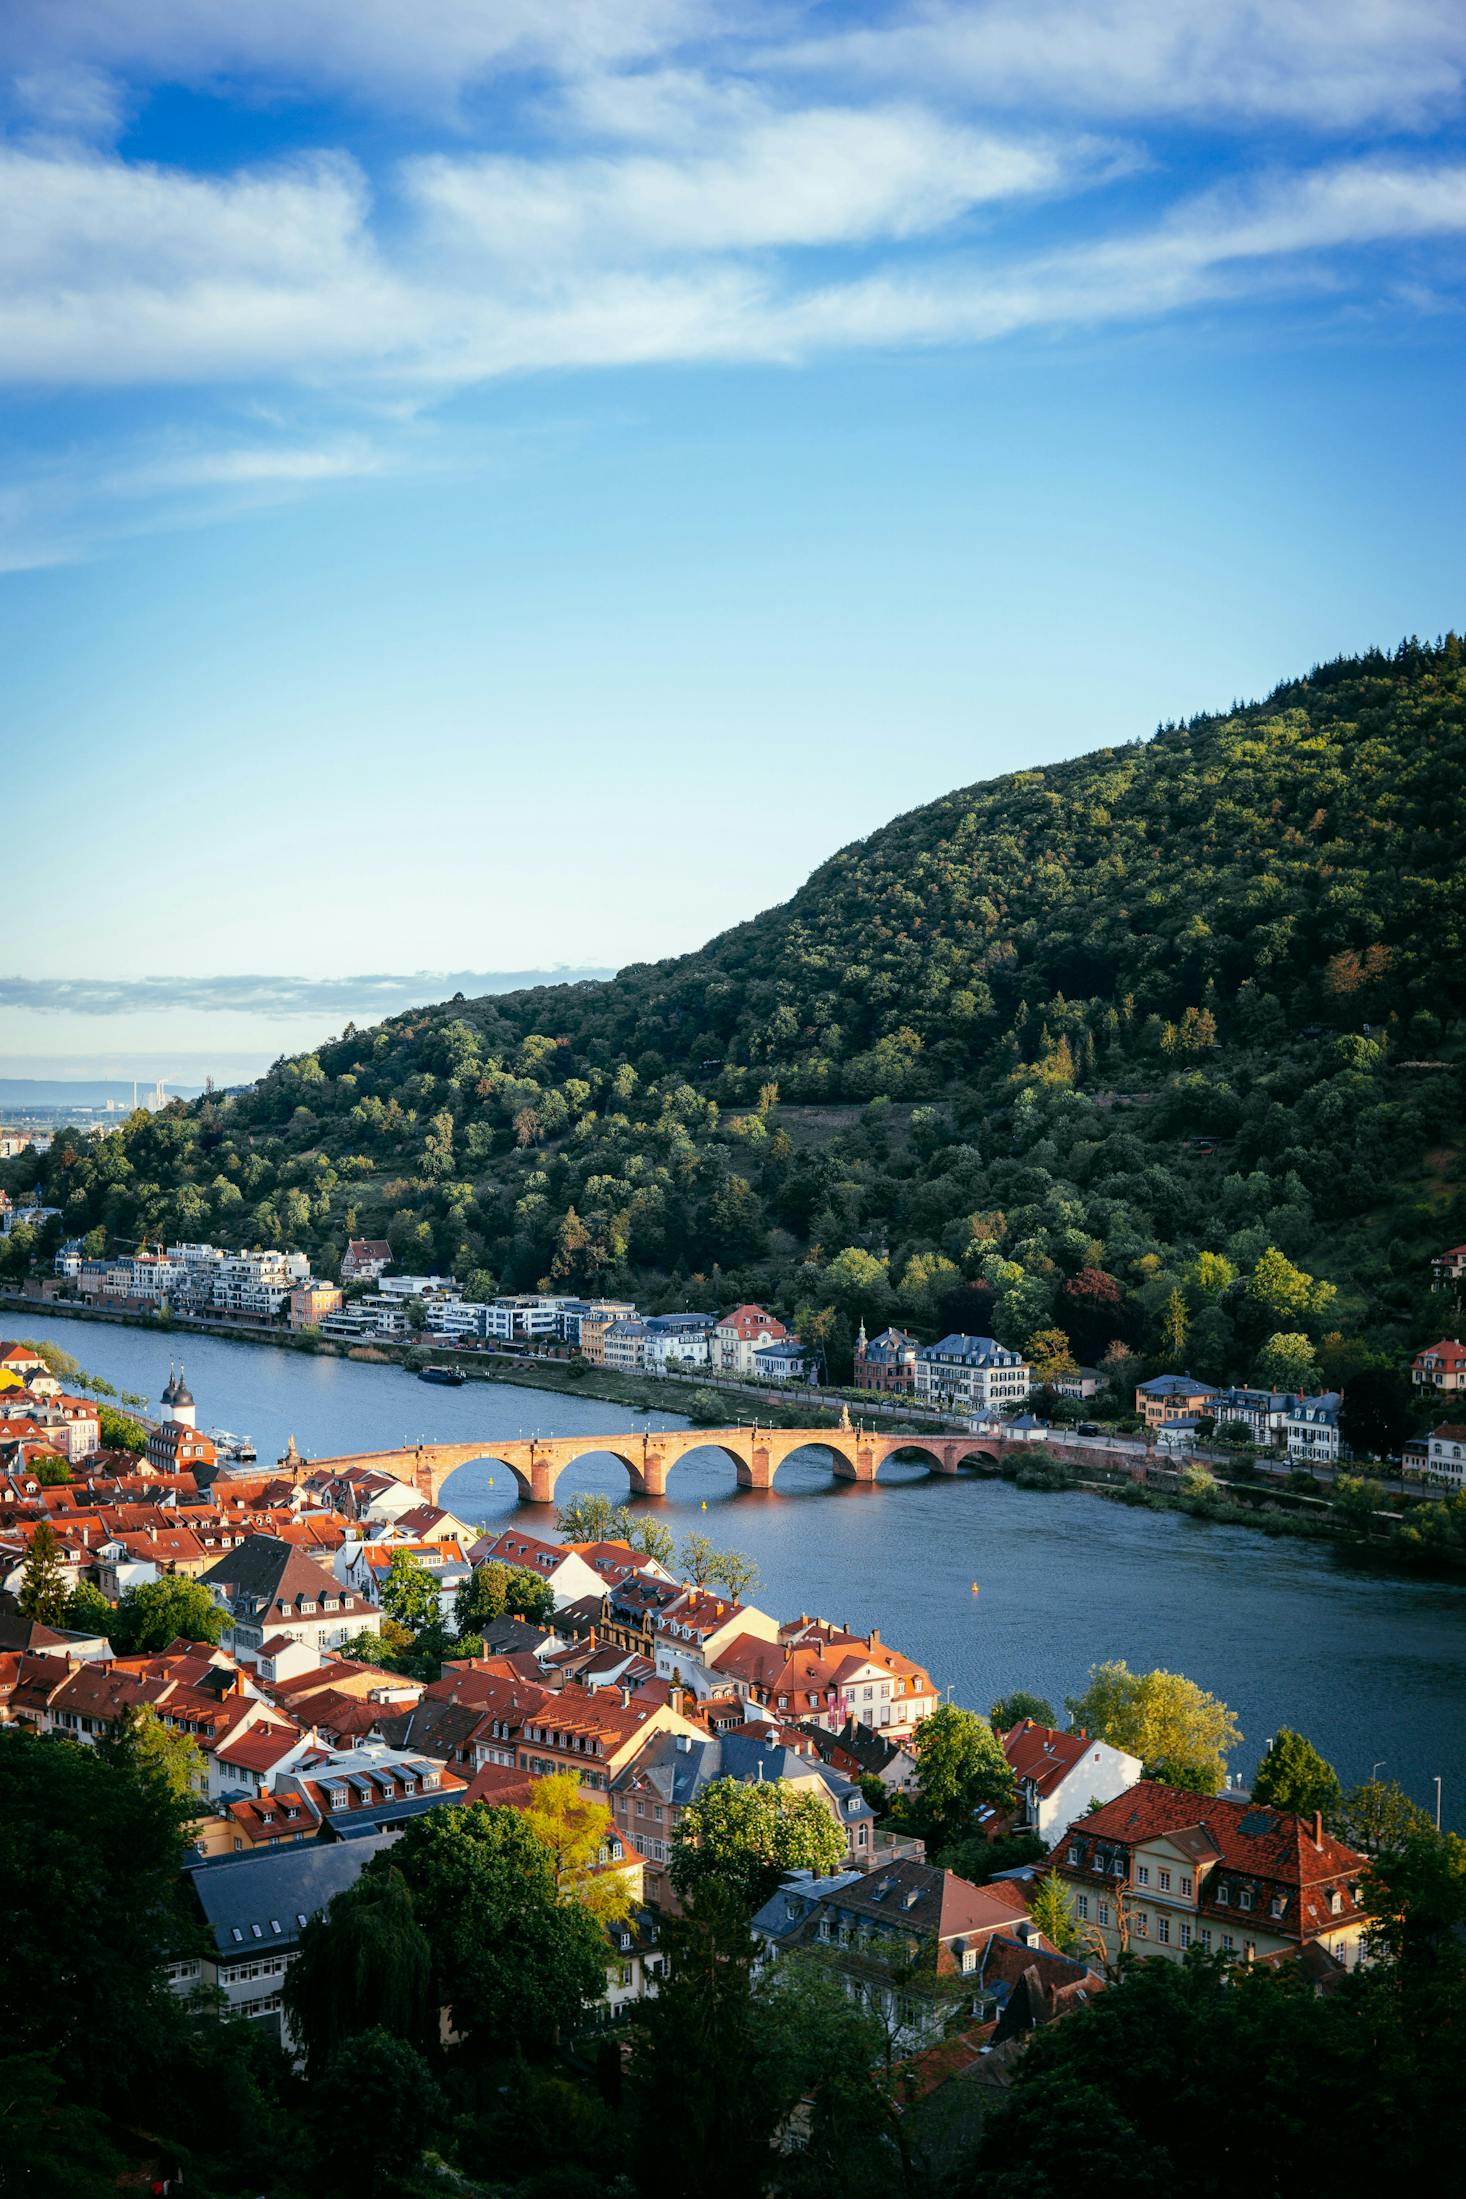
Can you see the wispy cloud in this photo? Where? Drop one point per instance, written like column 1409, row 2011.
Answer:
column 379, row 994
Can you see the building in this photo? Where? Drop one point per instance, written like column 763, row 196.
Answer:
column 676, row 1340
column 1060, row 1774
column 885, row 1362
column 908, row 1940
column 1448, row 1268
column 1262, row 1413
column 1083, row 1383
column 1311, row 1431
column 1161, row 1869
column 820, row 1675
column 623, row 1346
column 673, row 1769
column 741, row 1333
column 367, row 1260
column 253, row 1909
column 971, row 1374
column 176, row 1448
column 1440, row 1366
column 311, row 1301
column 1445, row 1456
column 1169, row 1397
column 592, row 1324
column 268, row 1587
column 786, row 1361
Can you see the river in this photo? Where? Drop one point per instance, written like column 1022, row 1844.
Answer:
column 1370, row 1666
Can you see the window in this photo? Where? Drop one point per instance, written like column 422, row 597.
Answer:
column 1142, row 1874
column 1185, row 1935
column 1245, row 1897
column 1187, row 1884
column 1164, row 1878
column 1081, row 1907
column 1073, row 1851
column 1224, row 1895
column 1163, row 1930
column 1336, row 1901
column 1142, row 1924
column 1104, row 1912
column 1204, row 1935
column 1229, row 1944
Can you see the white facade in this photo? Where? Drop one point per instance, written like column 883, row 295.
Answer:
column 1445, row 1455
column 1312, row 1430
column 971, row 1374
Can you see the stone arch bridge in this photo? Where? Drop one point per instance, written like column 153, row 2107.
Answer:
column 537, row 1462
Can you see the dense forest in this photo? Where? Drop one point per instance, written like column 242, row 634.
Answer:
column 1159, row 1048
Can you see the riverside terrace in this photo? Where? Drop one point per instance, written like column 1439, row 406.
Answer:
column 856, row 1454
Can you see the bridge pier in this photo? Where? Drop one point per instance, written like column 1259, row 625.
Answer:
column 758, row 1472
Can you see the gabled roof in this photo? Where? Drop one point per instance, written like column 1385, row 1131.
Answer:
column 262, row 1899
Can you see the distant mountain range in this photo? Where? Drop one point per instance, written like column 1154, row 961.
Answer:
column 1015, row 1062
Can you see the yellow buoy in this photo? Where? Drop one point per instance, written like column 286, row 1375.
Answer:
column 975, row 1589
column 704, row 1503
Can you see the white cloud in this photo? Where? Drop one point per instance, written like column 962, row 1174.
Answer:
column 1324, row 64
column 395, row 52
column 818, row 176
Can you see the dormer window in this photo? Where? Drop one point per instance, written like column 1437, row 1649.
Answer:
column 1245, row 1897
column 1224, row 1895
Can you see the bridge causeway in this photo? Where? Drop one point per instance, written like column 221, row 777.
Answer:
column 537, row 1462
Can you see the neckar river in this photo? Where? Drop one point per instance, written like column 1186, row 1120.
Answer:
column 1372, row 1667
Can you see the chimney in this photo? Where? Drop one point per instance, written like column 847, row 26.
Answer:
column 1318, row 1828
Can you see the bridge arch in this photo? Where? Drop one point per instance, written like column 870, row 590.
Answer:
column 570, row 1453
column 908, row 1454
column 433, row 1477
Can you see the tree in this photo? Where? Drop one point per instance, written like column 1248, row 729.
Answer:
column 144, row 1746
column 653, row 1538
column 1377, row 1817
column 1374, row 1415
column 1293, row 1776
column 407, row 2109
column 42, row 1582
column 736, row 1572
column 748, row 1833
column 696, row 2041
column 120, row 1432
column 1286, row 1361
column 88, row 1611
column 168, row 1610
column 823, row 2053
column 1052, row 1910
column 959, row 1768
column 410, row 1592
column 492, row 1590
column 363, row 1962
column 52, row 1473
column 1050, row 1355
column 1285, row 1291
column 1175, row 1324
column 593, row 1519
column 1180, row 1733
column 1011, row 1710
column 514, row 1964
column 578, row 1832
column 698, row 1559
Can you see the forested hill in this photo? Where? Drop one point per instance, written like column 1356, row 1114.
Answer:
column 1020, row 1059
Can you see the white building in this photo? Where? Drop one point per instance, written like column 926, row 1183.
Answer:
column 1445, row 1456
column 971, row 1374
column 1312, row 1430
column 1060, row 1774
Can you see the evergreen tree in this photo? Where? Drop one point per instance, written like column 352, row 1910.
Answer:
column 1293, row 1776
column 1052, row 1910
column 42, row 1582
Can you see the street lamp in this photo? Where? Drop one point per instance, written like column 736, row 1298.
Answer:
column 1378, row 1765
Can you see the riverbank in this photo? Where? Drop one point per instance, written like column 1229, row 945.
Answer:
column 737, row 1403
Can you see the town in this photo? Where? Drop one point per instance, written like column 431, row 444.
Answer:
column 316, row 1661
column 974, row 1382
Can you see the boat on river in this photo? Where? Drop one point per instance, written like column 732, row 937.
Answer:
column 235, row 1450
column 449, row 1375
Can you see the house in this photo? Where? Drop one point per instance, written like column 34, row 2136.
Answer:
column 886, row 1362
column 593, row 1735
column 366, row 1260
column 786, row 1361
column 311, row 1301
column 269, row 1587
column 1448, row 1267
column 689, row 1633
column 1084, row 1382
column 253, row 1909
column 624, row 1346
column 741, row 1333
column 817, row 1674
column 176, row 1448
column 1161, row 1869
column 570, row 1574
column 1445, row 1456
column 1060, row 1774
column 1311, row 1431
column 1262, row 1413
column 681, row 1340
column 1440, row 1366
column 672, row 1769
column 908, row 1939
column 1169, row 1397
column 971, row 1374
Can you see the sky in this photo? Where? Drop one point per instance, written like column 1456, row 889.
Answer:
column 494, row 487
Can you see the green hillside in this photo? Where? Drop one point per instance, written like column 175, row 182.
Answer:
column 1075, row 1047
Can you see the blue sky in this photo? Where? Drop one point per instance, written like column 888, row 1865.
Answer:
column 491, row 487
